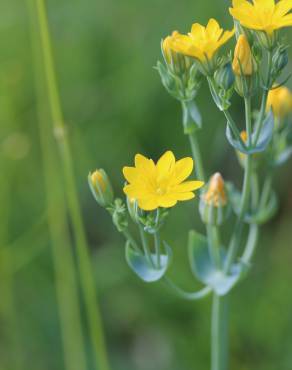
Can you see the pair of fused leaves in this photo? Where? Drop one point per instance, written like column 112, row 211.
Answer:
column 201, row 264
column 149, row 269
column 262, row 141
column 204, row 269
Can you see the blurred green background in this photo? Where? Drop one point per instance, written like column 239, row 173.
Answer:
column 115, row 106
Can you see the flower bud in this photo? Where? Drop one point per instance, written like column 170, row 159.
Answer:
column 224, row 76
column 133, row 209
column 243, row 60
column 280, row 101
column 279, row 61
column 101, row 188
column 213, row 203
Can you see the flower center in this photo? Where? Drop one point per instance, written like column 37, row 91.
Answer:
column 160, row 191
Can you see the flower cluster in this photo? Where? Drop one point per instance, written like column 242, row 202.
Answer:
column 260, row 136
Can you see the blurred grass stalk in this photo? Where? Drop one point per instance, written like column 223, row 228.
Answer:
column 85, row 267
column 65, row 275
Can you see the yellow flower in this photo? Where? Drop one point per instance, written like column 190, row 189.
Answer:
column 161, row 184
column 280, row 100
column 262, row 15
column 202, row 42
column 215, row 194
column 242, row 62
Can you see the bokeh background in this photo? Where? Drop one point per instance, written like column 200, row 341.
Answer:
column 114, row 106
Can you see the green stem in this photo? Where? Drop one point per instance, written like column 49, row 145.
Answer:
column 235, row 239
column 251, row 244
column 266, row 191
column 145, row 245
column 233, row 127
column 85, row 267
column 219, row 335
column 157, row 248
column 190, row 296
column 197, row 155
column 260, row 120
column 214, row 244
column 230, row 120
column 131, row 239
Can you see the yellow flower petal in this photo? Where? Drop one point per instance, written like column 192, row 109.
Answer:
column 130, row 173
column 136, row 192
column 182, row 169
column 148, row 204
column 165, row 163
column 214, row 29
column 187, row 186
column 167, row 201
column 283, row 7
column 184, row 196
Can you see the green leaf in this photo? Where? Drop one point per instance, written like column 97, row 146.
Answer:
column 204, row 269
column 262, row 142
column 142, row 267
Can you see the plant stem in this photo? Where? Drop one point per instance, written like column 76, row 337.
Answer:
column 190, row 296
column 230, row 121
column 214, row 243
column 145, row 245
column 260, row 120
column 131, row 239
column 197, row 155
column 219, row 328
column 85, row 267
column 157, row 248
column 235, row 239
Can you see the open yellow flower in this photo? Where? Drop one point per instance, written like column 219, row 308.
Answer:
column 262, row 15
column 161, row 184
column 202, row 42
column 280, row 100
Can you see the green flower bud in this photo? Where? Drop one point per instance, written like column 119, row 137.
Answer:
column 101, row 188
column 214, row 207
column 279, row 61
column 133, row 209
column 224, row 76
column 265, row 40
